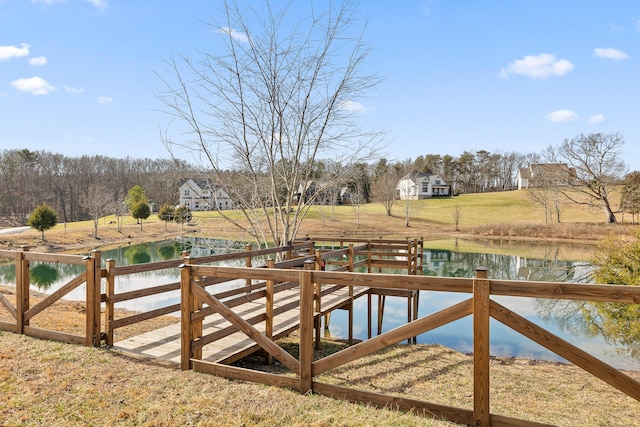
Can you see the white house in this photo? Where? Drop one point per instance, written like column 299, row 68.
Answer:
column 545, row 174
column 415, row 186
column 203, row 195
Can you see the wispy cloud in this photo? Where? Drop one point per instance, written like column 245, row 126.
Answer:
column 104, row 100
column 353, row 106
column 34, row 85
column 99, row 4
column 38, row 61
column 596, row 120
column 610, row 53
column 540, row 66
column 8, row 52
column 562, row 116
column 236, row 35
column 70, row 89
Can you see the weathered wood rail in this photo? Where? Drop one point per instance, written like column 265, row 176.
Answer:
column 300, row 270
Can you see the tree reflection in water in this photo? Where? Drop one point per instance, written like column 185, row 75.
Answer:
column 43, row 275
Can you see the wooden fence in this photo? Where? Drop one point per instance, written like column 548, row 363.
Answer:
column 101, row 300
column 22, row 313
column 479, row 305
column 301, row 266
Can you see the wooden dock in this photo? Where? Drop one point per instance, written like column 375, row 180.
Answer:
column 164, row 343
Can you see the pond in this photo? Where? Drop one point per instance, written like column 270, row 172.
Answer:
column 560, row 317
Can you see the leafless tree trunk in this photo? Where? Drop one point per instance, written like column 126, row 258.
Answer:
column 97, row 201
column 457, row 215
column 280, row 97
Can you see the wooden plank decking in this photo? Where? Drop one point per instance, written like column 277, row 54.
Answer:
column 164, row 343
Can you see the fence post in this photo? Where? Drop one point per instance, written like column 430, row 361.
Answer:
column 110, row 290
column 306, row 327
column 90, row 304
column 97, row 302
column 352, row 255
column 22, row 289
column 247, row 248
column 420, row 255
column 409, row 255
column 481, row 294
column 185, row 315
column 268, row 327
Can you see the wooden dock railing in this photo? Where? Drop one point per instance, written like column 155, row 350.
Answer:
column 479, row 305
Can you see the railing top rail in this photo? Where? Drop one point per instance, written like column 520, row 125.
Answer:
column 159, row 265
column 55, row 258
column 338, row 239
column 531, row 289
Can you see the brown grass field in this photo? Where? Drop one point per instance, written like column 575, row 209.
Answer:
column 50, row 383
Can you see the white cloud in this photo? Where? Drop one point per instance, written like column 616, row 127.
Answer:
column 104, row 100
column 236, row 35
column 69, row 89
column 610, row 53
column 353, row 106
column 34, row 85
column 596, row 120
column 538, row 66
column 8, row 52
column 561, row 116
column 38, row 61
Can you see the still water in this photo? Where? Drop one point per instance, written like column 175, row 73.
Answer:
column 557, row 317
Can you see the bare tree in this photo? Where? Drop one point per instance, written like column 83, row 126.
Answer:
column 546, row 189
column 594, row 166
column 282, row 96
column 385, row 182
column 97, row 201
column 630, row 196
column 457, row 215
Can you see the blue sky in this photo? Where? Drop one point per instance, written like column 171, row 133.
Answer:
column 77, row 76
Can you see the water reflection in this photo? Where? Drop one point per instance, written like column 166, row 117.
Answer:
column 563, row 318
column 43, row 275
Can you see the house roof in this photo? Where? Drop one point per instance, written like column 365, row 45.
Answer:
column 415, row 176
column 201, row 183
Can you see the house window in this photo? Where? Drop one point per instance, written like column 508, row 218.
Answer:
column 437, row 182
column 186, row 192
column 425, row 187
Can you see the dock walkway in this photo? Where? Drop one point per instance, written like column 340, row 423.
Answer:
column 164, row 343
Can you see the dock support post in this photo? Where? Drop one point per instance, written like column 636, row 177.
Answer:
column 268, row 327
column 185, row 316
column 306, row 327
column 247, row 248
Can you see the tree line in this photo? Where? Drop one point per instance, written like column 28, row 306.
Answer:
column 80, row 188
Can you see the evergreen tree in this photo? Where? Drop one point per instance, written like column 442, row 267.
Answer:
column 42, row 218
